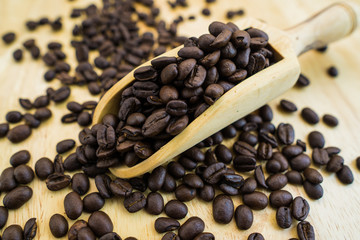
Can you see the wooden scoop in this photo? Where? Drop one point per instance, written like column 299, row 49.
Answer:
column 329, row 25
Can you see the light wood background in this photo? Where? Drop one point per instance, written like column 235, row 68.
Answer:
column 335, row 216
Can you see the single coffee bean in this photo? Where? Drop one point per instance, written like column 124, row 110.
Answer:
column 229, row 131
column 330, row 120
column 300, row 208
column 18, row 55
column 313, row 176
column 43, row 168
column 4, row 129
column 65, row 145
column 4, row 213
column 193, row 181
column 74, row 107
column 249, row 138
column 120, row 187
column 31, row 121
column 243, row 163
column 285, row 133
column 243, row 217
column 223, row 154
column 57, row 181
column 14, row 117
column 332, row 71
column 314, row 191
column 255, row 200
column 169, row 183
column 80, row 183
column 205, row 236
column 147, row 73
column 42, row 114
column 7, row 180
column 114, row 236
column 93, row 202
column 170, row 236
column 256, row 236
column 332, row 150
column 292, row 151
column 61, row 94
column 250, row 184
column 86, row 233
column 259, row 176
column 19, row 133
column 164, row 224
column 23, row 174
column 84, row 119
column 280, row 198
column 309, row 115
column 207, row 193
column 17, row 197
column 75, row 228
column 13, row 232
column 195, row 154
column 288, row 106
column 184, row 193
column 154, row 203
column 243, row 148
column 8, row 37
column 41, row 101
column 135, row 202
column 213, row 173
column 102, row 183
column 264, row 151
column 283, row 217
column 276, row 181
column 320, row 156
column 73, row 205
column 305, row 231
column 176, row 209
column 345, row 175
column 89, row 105
column 157, row 178
column 316, row 140
column 30, row 229
column 191, row 228
column 335, row 164
column 223, row 209
column 100, row 223
column 300, row 162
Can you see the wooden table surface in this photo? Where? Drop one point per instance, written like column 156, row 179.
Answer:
column 335, row 216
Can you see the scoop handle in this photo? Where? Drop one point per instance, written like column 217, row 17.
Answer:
column 331, row 24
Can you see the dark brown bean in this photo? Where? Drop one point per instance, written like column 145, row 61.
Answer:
column 285, row 133
column 19, row 133
column 17, row 197
column 300, row 208
column 23, row 174
column 345, row 175
column 288, row 106
column 191, row 228
column 313, row 176
column 184, row 193
column 335, row 164
column 300, row 162
column 100, row 223
column 43, row 168
column 154, row 203
column 75, row 228
column 309, row 115
column 283, row 217
column 320, row 156
column 294, row 177
column 256, row 236
column 164, row 224
column 58, row 225
column 7, row 179
column 80, row 183
column 330, row 120
column 30, row 229
column 276, row 181
column 73, row 205
column 120, row 187
column 207, row 193
column 280, row 198
column 4, row 213
column 316, row 139
column 57, row 181
column 255, row 200
column 223, row 209
column 93, row 202
column 135, row 202
column 243, row 217
column 314, row 191
column 13, row 232
column 305, row 231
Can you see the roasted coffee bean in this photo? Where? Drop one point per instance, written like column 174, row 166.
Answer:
column 195, row 154
column 320, row 156
column 61, row 94
column 42, row 114
column 120, row 187
column 14, row 116
column 210, row 158
column 243, row 148
column 17, row 197
column 332, row 71
column 18, row 55
column 300, row 208
column 41, row 101
column 58, row 164
column 7, row 180
column 8, row 37
column 196, row 77
column 228, row 189
column 276, row 181
column 43, row 168
column 259, row 177
column 154, row 203
column 86, row 233
column 89, row 105
column 184, row 193
column 212, row 58
column 243, row 163
column 285, row 133
column 294, row 177
column 266, row 137
column 71, row 163
column 223, row 154
column 73, row 205
column 105, row 136
column 100, row 223
column 233, row 180
column 23, row 174
column 3, row 216
column 316, row 139
column 191, row 52
column 280, row 198
column 135, row 202
column 170, row 236
column 282, row 160
column 332, row 150
column 93, row 202
column 185, row 68
column 169, row 183
column 136, row 119
column 207, row 193
column 300, row 162
column 223, row 209
column 309, row 115
column 176, row 108
column 273, row 166
column 49, row 75
column 176, row 170
column 330, row 120
column 255, row 200
column 313, row 176
column 84, row 119
column 177, row 126
column 193, row 181
column 335, row 164
column 4, row 129
column 205, row 236
column 30, row 229
column 176, row 209
column 57, row 181
column 301, row 144
column 305, row 231
column 13, row 232
column 155, row 123
column 256, row 236
column 191, row 228
column 114, row 236
column 249, row 186
column 161, row 62
column 157, row 178
column 20, row 157
column 75, row 228
column 314, row 191
column 19, row 133
column 249, row 138
column 147, row 73
column 264, row 151
column 283, row 217
column 164, row 224
column 102, row 183
column 287, row 106
column 345, row 175
column 31, row 121
column 243, row 217
column 74, row 107
column 227, row 67
column 65, row 145
column 213, row 173
column 80, row 183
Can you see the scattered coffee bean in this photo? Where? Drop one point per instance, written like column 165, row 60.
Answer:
column 302, row 81
column 8, row 37
column 7, row 180
column 206, row 12
column 335, row 164
column 100, row 223
column 154, row 203
column 4, row 129
column 191, row 228
column 17, row 197
column 288, row 106
column 320, row 156
column 314, row 191
column 13, row 232
column 19, row 133
column 358, row 162
column 283, row 217
column 18, row 55
column 280, row 198
column 65, row 145
column 305, row 231
column 300, row 208
column 73, row 205
column 58, row 225
column 3, row 216
column 43, row 168
column 243, row 217
column 57, row 181
column 332, row 71
column 345, row 175
column 285, row 133
column 309, row 115
column 20, row 157
column 135, row 202
column 256, row 236
column 316, row 139
column 164, row 224
column 313, row 176
column 93, row 202
column 80, row 183
column 23, row 174
column 255, row 200
column 223, row 209
column 176, row 209
column 14, row 117
column 330, row 120
column 75, row 228
column 30, row 229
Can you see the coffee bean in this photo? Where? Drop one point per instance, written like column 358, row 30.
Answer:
column 294, row 177
column 273, row 166
column 223, row 209
column 176, row 209
column 283, row 217
column 243, row 148
column 154, row 203
column 191, row 52
column 184, row 193
column 330, row 120
column 74, row 107
column 205, row 236
column 14, row 117
column 102, row 183
column 249, row 138
column 120, row 187
column 191, row 228
column 176, row 170
column 255, row 200
column 49, row 75
column 314, row 191
column 86, row 233
column 71, row 163
column 300, row 208
column 300, row 162
column 243, row 163
column 58, row 164
column 157, row 178
column 3, row 216
column 43, row 168
column 302, row 81
column 335, row 164
column 170, row 236
column 243, row 217
column 89, row 105
column 73, row 205
column 4, row 129
column 42, row 114
column 193, row 181
column 223, row 154
column 80, row 183
column 13, row 232
column 30, row 229
column 207, row 193
column 259, row 177
column 316, row 139
column 345, row 175
column 17, row 197
column 61, row 94
column 41, row 101
column 23, row 174
column 31, row 121
column 288, row 106
column 309, row 115
column 213, row 173
column 256, row 236
column 146, row 73
column 280, row 198
column 305, row 231
column 20, row 157
column 285, row 133
column 57, row 181
column 164, row 224
column 7, row 179
column 320, row 156
column 19, row 133
column 169, row 183
column 276, row 181
column 100, row 223
column 281, row 159
column 8, row 37
column 84, row 119
column 18, row 55
column 332, row 71
column 65, row 145
column 249, row 186
column 227, row 67
column 135, row 202
column 114, row 236
column 313, row 176
column 332, row 150
column 93, row 202
column 75, row 228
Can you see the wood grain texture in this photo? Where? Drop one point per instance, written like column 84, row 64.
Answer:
column 335, row 216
